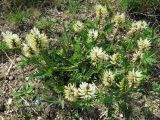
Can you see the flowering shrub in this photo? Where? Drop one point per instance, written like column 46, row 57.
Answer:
column 95, row 62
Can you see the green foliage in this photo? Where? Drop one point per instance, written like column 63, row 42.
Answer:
column 20, row 3
column 17, row 16
column 149, row 58
column 27, row 90
column 155, row 89
column 139, row 5
column 3, row 46
column 105, row 65
column 45, row 23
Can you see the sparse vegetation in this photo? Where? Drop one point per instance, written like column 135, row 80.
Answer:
column 17, row 16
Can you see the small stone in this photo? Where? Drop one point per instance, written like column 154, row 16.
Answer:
column 11, row 77
column 39, row 118
column 9, row 102
column 18, row 59
column 121, row 115
column 27, row 78
column 1, row 118
column 14, row 67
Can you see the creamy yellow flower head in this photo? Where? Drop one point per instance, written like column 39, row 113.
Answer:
column 27, row 51
column 87, row 90
column 116, row 59
column 36, row 40
column 134, row 78
column 144, row 44
column 119, row 19
column 101, row 11
column 97, row 55
column 12, row 40
column 137, row 56
column 137, row 27
column 108, row 78
column 92, row 34
column 78, row 26
column 71, row 92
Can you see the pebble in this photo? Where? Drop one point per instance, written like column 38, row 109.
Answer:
column 39, row 118
column 27, row 78
column 1, row 118
column 9, row 102
column 11, row 77
column 18, row 59
column 14, row 67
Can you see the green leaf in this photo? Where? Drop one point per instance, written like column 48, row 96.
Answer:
column 108, row 27
column 58, row 89
column 17, row 94
column 3, row 45
column 23, row 63
column 149, row 58
column 124, row 4
column 48, row 72
column 29, row 90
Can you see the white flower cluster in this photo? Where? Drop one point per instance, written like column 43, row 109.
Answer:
column 92, row 34
column 97, row 55
column 71, row 92
column 134, row 78
column 36, row 41
column 78, row 26
column 115, row 59
column 137, row 27
column 12, row 40
column 137, row 56
column 85, row 91
column 143, row 45
column 101, row 11
column 108, row 78
column 119, row 19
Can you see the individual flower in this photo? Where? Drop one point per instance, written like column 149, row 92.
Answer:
column 144, row 44
column 87, row 90
column 78, row 26
column 12, row 40
column 36, row 40
column 101, row 11
column 71, row 92
column 137, row 27
column 27, row 51
column 137, row 56
column 97, row 55
column 116, row 59
column 134, row 78
column 92, row 34
column 119, row 19
column 108, row 78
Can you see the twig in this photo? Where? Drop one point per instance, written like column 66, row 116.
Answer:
column 29, row 105
column 6, row 55
column 8, row 71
